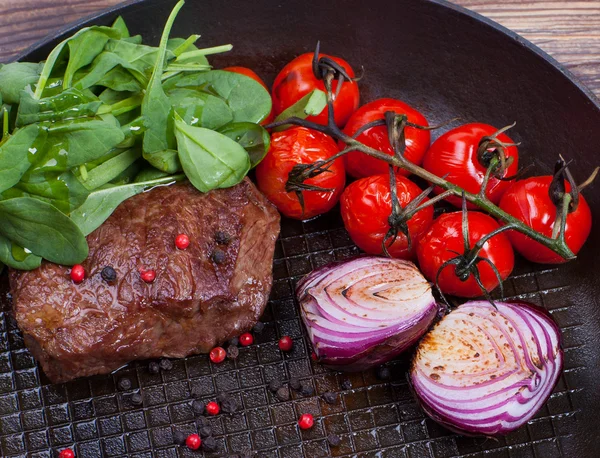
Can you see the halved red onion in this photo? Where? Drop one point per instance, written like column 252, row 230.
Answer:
column 487, row 371
column 363, row 312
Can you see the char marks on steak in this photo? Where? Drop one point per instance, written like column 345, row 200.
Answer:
column 202, row 296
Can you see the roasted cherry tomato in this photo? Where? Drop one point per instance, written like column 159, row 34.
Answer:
column 297, row 79
column 444, row 240
column 366, row 206
column 528, row 200
column 246, row 71
column 417, row 140
column 456, row 153
column 300, row 146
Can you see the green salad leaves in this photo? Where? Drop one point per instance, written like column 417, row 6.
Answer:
column 106, row 117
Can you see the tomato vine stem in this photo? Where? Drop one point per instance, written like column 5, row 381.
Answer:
column 556, row 243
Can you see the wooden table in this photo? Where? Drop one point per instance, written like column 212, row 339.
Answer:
column 567, row 29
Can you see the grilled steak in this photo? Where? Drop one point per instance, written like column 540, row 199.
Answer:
column 202, row 296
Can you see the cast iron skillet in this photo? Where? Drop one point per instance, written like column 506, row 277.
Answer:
column 447, row 62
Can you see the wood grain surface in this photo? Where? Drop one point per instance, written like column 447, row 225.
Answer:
column 567, row 29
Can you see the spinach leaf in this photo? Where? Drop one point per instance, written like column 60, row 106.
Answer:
column 148, row 174
column 122, row 106
column 180, row 45
column 197, row 55
column 159, row 141
column 252, row 137
column 120, row 26
column 102, row 66
column 69, row 104
column 14, row 155
column 15, row 77
column 166, row 160
column 77, row 142
column 110, row 96
column 42, row 229
column 140, row 57
column 82, row 56
column 28, row 262
column 129, row 174
column 53, row 87
column 199, row 108
column 83, row 49
column 209, row 159
column 60, row 189
column 311, row 104
column 101, row 203
column 122, row 65
column 110, row 169
column 248, row 100
column 120, row 79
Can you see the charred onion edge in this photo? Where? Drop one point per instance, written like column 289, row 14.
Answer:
column 473, row 432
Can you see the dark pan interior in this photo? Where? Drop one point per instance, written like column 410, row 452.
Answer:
column 446, row 62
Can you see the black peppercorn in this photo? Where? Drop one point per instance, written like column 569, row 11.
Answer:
column 233, row 352
column 198, row 406
column 283, row 394
column 274, row 385
column 334, row 440
column 234, row 342
column 259, row 327
column 179, row 437
column 124, row 384
column 153, row 367
column 295, row 384
column 209, row 444
column 307, row 390
column 229, row 405
column 346, row 384
column 136, row 399
column 222, row 238
column 108, row 274
column 218, row 256
column 205, row 431
column 383, row 373
column 329, row 397
column 166, row 364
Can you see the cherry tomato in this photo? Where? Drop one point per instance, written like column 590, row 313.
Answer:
column 300, row 146
column 445, row 238
column 366, row 206
column 297, row 79
column 246, row 71
column 417, row 140
column 528, row 201
column 456, row 153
